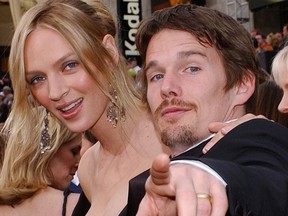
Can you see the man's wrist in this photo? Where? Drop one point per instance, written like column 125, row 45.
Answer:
column 202, row 166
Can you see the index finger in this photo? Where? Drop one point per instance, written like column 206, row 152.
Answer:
column 186, row 199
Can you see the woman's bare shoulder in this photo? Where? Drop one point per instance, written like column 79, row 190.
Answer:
column 46, row 201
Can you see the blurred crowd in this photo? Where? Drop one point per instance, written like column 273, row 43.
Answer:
column 274, row 41
column 6, row 98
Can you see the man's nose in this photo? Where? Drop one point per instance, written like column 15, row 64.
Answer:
column 171, row 85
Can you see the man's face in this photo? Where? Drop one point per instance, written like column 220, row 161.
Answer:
column 185, row 88
column 259, row 39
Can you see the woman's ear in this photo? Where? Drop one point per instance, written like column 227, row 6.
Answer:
column 245, row 88
column 109, row 43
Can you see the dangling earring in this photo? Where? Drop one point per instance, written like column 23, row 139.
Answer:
column 115, row 112
column 45, row 137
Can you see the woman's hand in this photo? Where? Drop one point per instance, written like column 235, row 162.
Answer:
column 222, row 128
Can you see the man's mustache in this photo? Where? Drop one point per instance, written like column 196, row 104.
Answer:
column 174, row 102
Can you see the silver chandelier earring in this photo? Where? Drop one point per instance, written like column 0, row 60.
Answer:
column 115, row 112
column 45, row 143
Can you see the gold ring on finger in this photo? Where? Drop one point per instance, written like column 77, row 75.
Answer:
column 204, row 196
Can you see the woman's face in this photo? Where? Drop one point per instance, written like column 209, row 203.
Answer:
column 58, row 81
column 64, row 164
column 282, row 81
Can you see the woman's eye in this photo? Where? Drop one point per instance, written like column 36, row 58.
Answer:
column 70, row 65
column 36, row 80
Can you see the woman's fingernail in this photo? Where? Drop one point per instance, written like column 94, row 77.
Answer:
column 205, row 150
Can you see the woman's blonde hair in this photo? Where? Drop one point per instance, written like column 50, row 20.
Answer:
column 84, row 27
column 25, row 169
column 280, row 64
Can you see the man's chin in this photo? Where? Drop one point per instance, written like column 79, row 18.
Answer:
column 182, row 136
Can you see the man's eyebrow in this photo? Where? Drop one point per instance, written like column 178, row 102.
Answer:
column 188, row 53
column 149, row 65
column 180, row 55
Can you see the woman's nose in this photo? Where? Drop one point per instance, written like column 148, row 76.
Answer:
column 57, row 90
column 283, row 105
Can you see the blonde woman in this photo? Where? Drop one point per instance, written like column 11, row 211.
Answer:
column 35, row 173
column 65, row 54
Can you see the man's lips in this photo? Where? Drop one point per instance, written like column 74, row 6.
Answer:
column 174, row 110
column 174, row 107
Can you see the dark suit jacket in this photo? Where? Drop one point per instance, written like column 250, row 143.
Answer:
column 252, row 159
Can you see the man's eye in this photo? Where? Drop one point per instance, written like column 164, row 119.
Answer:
column 193, row 69
column 157, row 77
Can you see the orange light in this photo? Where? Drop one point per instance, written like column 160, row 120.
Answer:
column 174, row 2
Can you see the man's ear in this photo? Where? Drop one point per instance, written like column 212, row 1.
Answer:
column 110, row 44
column 245, row 88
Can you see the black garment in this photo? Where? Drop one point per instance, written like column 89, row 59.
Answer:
column 64, row 205
column 71, row 189
column 252, row 159
column 135, row 194
column 82, row 206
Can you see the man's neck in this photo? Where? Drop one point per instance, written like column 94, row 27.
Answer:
column 175, row 153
